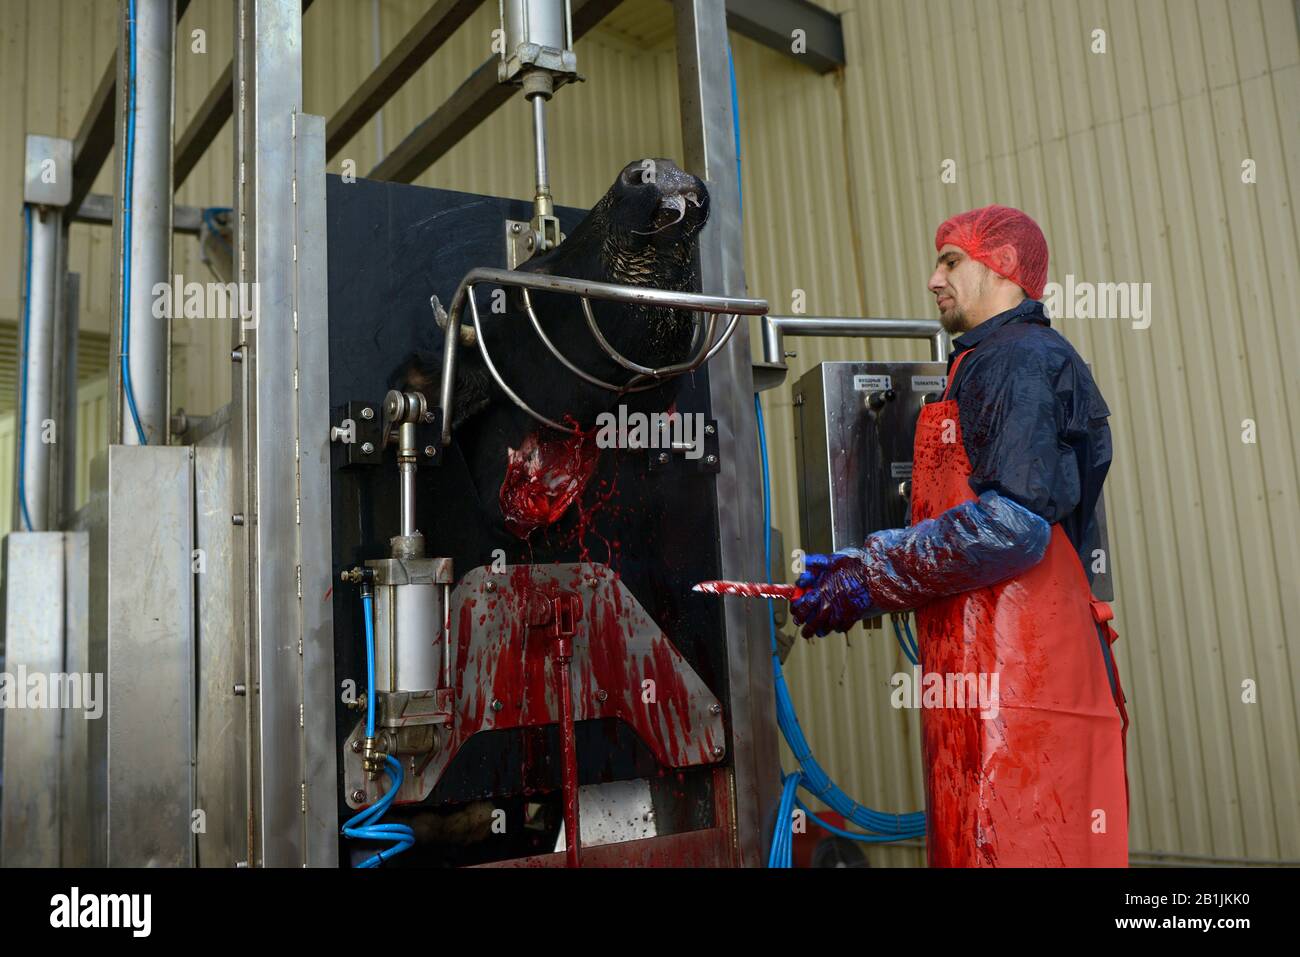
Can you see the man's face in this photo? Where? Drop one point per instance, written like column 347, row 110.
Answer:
column 959, row 284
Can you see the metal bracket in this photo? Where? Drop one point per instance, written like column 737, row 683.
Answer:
column 361, row 427
column 709, row 461
column 525, row 239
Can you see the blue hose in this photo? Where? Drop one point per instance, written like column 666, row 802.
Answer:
column 811, row 776
column 22, row 373
column 368, row 612
column 127, row 201
column 364, row 825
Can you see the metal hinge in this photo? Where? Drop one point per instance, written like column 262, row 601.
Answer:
column 300, row 715
column 302, row 790
column 297, row 574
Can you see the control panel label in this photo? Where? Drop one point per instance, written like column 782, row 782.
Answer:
column 871, row 383
column 900, row 470
column 929, row 383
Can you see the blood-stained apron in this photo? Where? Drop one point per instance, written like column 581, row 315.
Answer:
column 1039, row 779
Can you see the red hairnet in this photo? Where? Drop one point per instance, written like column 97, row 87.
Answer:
column 984, row 235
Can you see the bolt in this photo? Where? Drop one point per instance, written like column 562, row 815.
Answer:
column 428, row 417
column 429, row 450
column 715, row 708
column 367, row 448
column 710, row 460
column 237, row 518
column 367, row 413
column 718, row 751
column 489, row 586
column 496, row 704
column 591, row 581
column 529, row 243
column 358, row 796
column 663, row 458
column 356, row 746
column 516, row 228
column 236, row 355
column 602, row 695
column 710, row 429
column 241, row 689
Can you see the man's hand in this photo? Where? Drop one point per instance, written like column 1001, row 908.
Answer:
column 836, row 596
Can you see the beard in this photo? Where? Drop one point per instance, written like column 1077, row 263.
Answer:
column 953, row 320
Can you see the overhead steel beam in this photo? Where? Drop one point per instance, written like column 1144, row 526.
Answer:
column 773, row 23
column 97, row 209
column 94, row 139
column 474, row 101
column 430, row 32
column 212, row 115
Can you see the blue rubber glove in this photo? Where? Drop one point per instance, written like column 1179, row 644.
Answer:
column 837, row 595
column 971, row 545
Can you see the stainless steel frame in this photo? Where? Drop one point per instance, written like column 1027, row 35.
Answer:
column 140, row 753
column 280, row 434
column 44, row 614
column 40, row 465
column 708, row 137
column 776, row 328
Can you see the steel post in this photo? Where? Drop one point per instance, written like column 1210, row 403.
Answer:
column 708, row 138
column 142, row 221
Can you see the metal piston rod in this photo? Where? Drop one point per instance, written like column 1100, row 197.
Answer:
column 645, row 377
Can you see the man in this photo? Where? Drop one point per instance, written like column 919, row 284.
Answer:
column 1006, row 472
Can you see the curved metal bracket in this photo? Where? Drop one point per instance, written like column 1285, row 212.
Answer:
column 644, row 378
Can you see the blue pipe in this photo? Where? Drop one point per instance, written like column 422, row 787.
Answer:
column 128, row 195
column 22, row 360
column 364, row 825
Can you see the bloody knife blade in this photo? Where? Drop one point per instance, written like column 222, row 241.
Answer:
column 749, row 589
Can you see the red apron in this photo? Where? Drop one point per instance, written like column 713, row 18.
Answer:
column 1040, row 780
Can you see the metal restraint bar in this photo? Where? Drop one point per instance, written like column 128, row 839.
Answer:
column 645, row 377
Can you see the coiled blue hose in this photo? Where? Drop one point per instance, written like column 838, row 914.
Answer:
column 364, row 825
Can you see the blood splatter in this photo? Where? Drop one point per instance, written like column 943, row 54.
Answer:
column 544, row 476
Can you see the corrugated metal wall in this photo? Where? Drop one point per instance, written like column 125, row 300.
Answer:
column 1132, row 162
column 1130, row 159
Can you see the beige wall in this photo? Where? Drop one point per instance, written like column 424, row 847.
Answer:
column 1130, row 160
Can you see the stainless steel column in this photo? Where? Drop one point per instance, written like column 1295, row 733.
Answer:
column 34, row 505
column 280, row 435
column 39, row 427
column 148, row 141
column 708, row 137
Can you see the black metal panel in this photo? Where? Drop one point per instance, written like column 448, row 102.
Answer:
column 391, row 247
